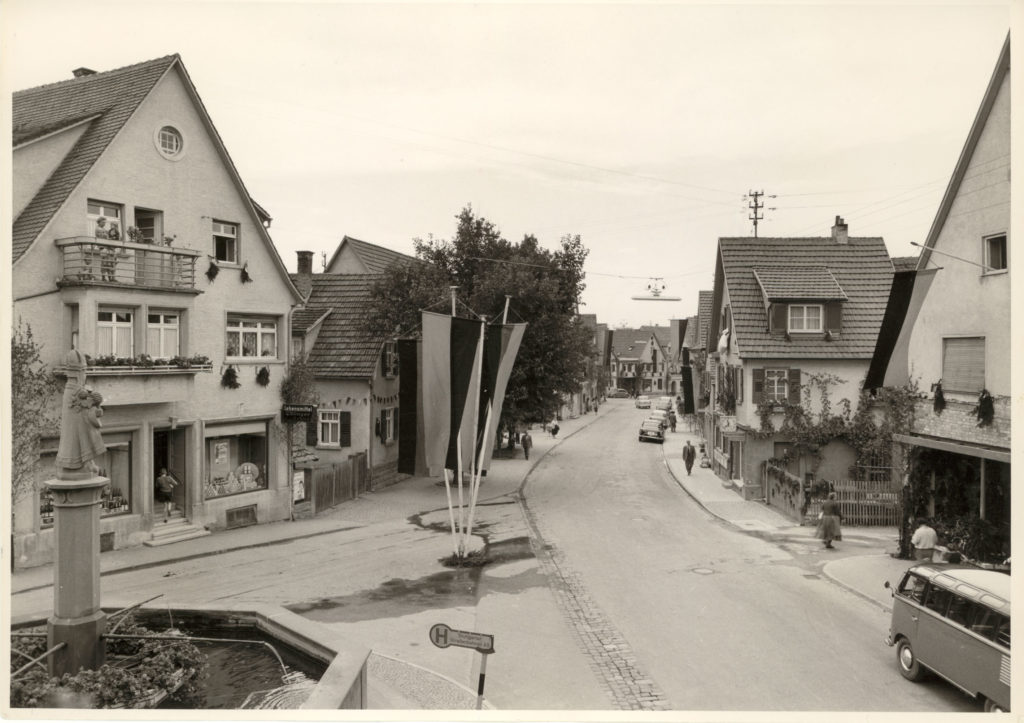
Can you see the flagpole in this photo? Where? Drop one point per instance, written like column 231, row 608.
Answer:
column 477, row 470
column 451, row 513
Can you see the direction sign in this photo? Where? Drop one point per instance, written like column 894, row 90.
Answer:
column 442, row 636
column 297, row 412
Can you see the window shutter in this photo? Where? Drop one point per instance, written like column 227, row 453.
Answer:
column 383, row 425
column 833, row 316
column 794, row 386
column 313, row 431
column 345, row 435
column 963, row 364
column 738, row 383
column 384, row 361
column 779, row 322
column 757, row 387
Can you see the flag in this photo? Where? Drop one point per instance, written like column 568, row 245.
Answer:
column 688, row 402
column 501, row 347
column 411, row 451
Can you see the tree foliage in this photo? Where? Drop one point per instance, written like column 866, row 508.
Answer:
column 33, row 388
column 545, row 288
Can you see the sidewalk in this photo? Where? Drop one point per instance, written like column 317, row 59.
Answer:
column 864, row 560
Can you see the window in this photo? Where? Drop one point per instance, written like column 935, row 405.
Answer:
column 937, row 599
column 389, row 359
column 162, row 335
column 236, row 459
column 995, row 253
column 149, row 225
column 104, row 220
column 912, row 587
column 387, row 425
column 963, row 364
column 805, row 317
column 115, row 464
column 251, row 338
column 114, row 333
column 225, row 242
column 335, row 428
column 776, row 385
column 170, row 141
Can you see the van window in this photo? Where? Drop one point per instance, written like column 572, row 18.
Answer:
column 1003, row 633
column 912, row 587
column 937, row 599
column 960, row 610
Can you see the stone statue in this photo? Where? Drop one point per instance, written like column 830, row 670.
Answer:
column 80, row 438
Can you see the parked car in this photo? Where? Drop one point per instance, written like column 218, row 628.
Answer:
column 663, row 403
column 651, row 429
column 619, row 394
column 643, row 402
column 660, row 416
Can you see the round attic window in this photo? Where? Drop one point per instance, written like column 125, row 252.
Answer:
column 169, row 142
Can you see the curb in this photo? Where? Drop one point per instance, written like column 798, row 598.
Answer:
column 849, row 588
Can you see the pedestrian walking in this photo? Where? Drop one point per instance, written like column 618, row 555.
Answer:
column 924, row 540
column 165, row 485
column 672, row 420
column 689, row 455
column 829, row 522
column 527, row 441
column 554, row 429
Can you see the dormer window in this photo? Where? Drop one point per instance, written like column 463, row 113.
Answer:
column 805, row 318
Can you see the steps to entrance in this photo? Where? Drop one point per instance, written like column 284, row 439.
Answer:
column 176, row 529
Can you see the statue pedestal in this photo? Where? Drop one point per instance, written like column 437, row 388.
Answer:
column 77, row 617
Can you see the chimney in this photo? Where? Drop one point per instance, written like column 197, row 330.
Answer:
column 305, row 262
column 840, row 232
column 81, row 72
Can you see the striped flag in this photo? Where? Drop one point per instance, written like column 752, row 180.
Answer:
column 411, row 452
column 501, row 346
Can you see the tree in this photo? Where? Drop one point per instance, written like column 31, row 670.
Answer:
column 545, row 288
column 33, row 411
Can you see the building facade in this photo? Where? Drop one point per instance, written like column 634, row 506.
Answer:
column 136, row 243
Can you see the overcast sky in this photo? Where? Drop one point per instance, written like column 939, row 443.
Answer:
column 638, row 126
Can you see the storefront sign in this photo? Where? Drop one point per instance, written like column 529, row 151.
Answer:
column 297, row 412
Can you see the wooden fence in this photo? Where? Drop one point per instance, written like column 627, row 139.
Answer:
column 863, row 502
column 339, row 482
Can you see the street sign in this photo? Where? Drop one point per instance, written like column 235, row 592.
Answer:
column 297, row 412
column 442, row 636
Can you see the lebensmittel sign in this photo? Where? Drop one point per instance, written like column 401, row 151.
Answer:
column 297, row 412
column 443, row 636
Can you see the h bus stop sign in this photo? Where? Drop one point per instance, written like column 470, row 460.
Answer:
column 443, row 636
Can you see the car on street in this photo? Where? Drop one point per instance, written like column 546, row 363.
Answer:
column 660, row 416
column 619, row 394
column 663, row 403
column 643, row 402
column 651, row 429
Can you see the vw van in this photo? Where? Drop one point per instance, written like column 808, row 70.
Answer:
column 954, row 620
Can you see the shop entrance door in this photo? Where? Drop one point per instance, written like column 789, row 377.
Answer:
column 169, row 454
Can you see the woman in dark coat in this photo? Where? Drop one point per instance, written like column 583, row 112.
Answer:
column 828, row 525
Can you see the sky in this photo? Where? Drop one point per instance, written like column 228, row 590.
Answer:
column 642, row 127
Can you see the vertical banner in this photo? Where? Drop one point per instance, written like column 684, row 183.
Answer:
column 436, row 388
column 688, row 406
column 465, row 341
column 411, row 452
column 505, row 341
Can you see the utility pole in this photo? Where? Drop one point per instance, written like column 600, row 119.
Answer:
column 755, row 207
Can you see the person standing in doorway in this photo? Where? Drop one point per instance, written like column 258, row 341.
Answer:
column 924, row 540
column 689, row 455
column 829, row 523
column 165, row 485
column 527, row 441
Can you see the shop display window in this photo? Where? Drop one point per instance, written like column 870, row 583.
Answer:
column 115, row 465
column 236, row 463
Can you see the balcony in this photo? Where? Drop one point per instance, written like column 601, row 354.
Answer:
column 91, row 261
column 141, row 380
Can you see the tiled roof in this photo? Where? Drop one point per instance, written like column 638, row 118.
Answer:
column 376, row 259
column 691, row 339
column 782, row 283
column 704, row 304
column 904, row 263
column 630, row 343
column 343, row 349
column 109, row 98
column 861, row 267
column 303, row 319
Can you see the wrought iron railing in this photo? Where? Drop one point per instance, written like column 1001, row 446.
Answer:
column 89, row 260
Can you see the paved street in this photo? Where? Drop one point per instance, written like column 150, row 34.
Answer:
column 612, row 588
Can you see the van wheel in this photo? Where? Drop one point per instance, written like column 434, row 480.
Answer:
column 993, row 707
column 909, row 667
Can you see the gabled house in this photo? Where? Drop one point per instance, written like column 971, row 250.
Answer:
column 361, row 257
column 786, row 313
column 136, row 243
column 355, row 372
column 641, row 364
column 956, row 340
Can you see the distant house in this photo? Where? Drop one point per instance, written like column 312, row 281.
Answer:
column 957, row 330
column 361, row 257
column 786, row 311
column 641, row 364
column 133, row 239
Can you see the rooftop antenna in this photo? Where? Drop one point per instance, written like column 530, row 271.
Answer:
column 323, row 259
column 656, row 291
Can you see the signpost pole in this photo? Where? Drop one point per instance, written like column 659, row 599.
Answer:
column 480, row 685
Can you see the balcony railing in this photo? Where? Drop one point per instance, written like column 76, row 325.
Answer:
column 93, row 261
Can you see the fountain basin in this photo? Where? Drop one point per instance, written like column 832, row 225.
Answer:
column 343, row 682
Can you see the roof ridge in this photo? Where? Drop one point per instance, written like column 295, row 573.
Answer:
column 99, row 74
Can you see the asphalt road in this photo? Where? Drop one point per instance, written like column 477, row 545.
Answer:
column 706, row 617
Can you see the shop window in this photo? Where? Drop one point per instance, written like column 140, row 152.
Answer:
column 115, row 333
column 236, row 459
column 162, row 335
column 251, row 337
column 115, row 465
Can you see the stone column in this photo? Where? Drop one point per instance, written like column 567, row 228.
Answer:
column 77, row 617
